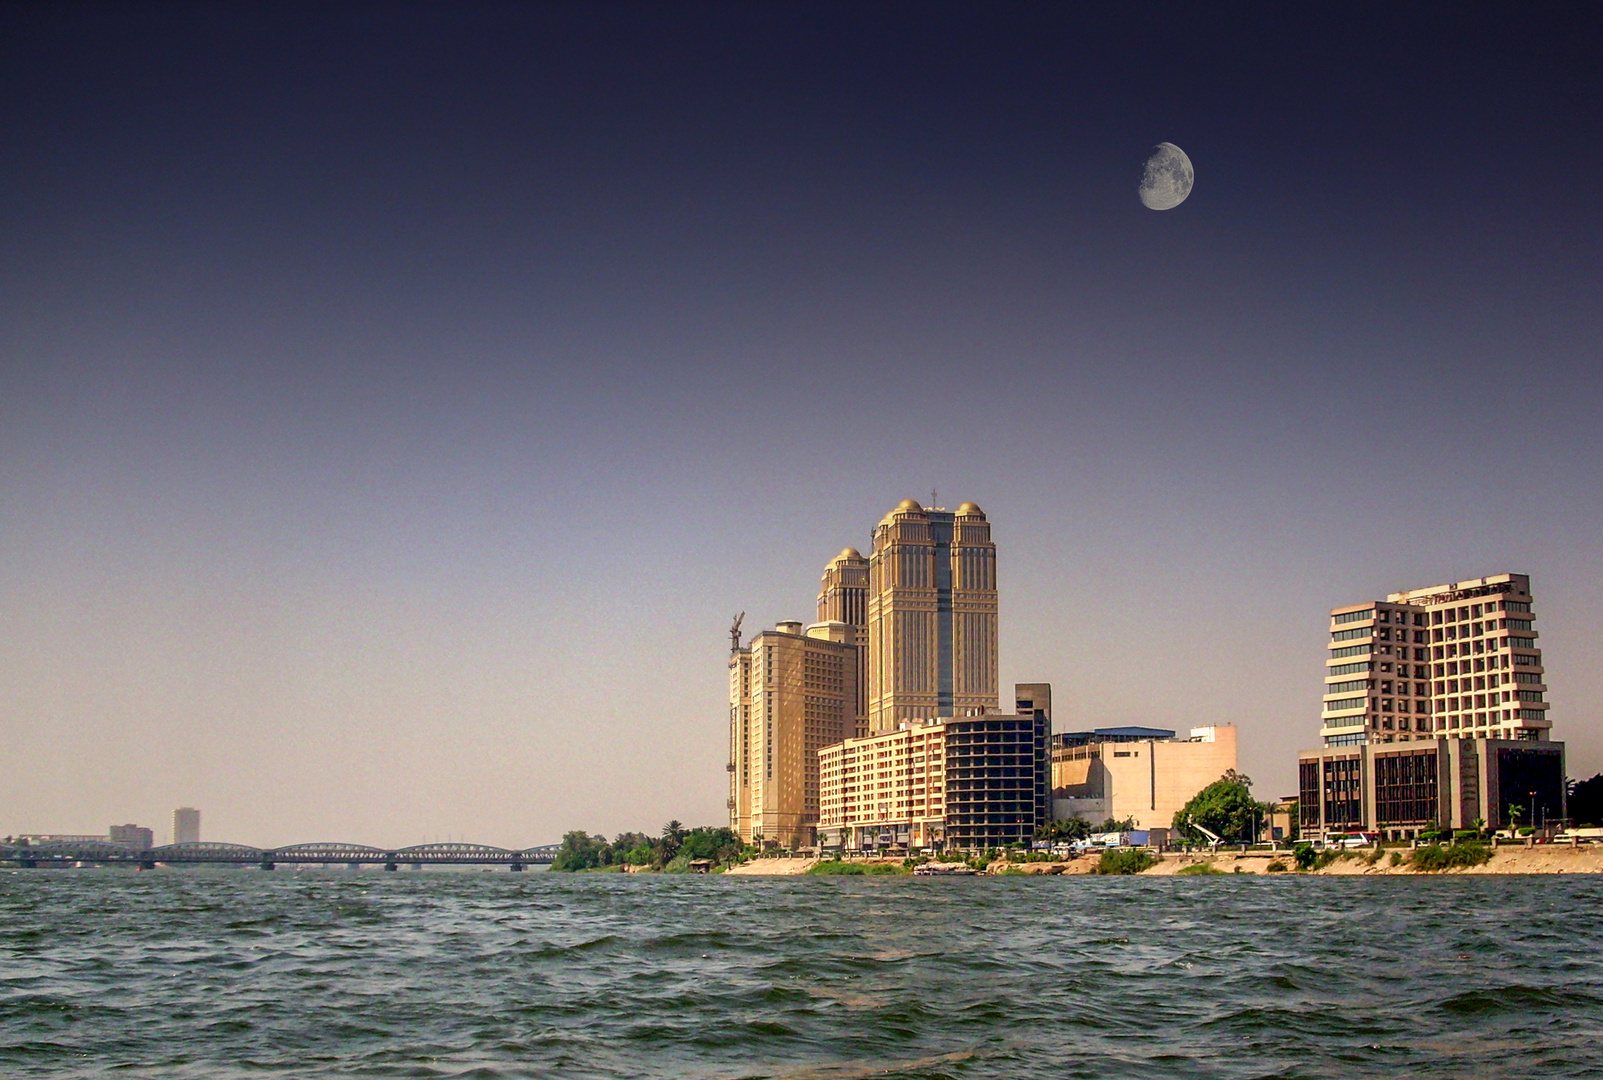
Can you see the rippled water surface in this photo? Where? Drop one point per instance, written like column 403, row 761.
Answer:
column 246, row 973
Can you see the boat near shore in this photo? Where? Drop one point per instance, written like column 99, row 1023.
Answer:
column 946, row 870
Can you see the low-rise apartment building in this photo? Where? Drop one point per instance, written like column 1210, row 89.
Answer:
column 950, row 783
column 1145, row 774
column 1402, row 790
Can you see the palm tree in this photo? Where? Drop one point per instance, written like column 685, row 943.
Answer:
column 673, row 835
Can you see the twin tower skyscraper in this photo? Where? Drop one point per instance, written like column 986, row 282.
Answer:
column 907, row 634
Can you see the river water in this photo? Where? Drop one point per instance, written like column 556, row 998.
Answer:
column 197, row 973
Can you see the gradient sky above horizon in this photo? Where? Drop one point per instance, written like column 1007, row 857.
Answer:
column 396, row 403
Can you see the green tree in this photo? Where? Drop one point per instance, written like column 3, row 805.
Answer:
column 1586, row 801
column 1074, row 828
column 634, row 849
column 1116, row 825
column 1225, row 807
column 580, row 851
column 673, row 834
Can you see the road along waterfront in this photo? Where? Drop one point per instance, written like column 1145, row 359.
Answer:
column 233, row 973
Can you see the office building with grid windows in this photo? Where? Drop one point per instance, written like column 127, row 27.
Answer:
column 946, row 783
column 1461, row 659
column 1435, row 715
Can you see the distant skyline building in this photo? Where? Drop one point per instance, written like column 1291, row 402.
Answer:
column 932, row 616
column 133, row 836
column 186, row 825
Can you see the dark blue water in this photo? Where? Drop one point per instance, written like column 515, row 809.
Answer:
column 244, row 973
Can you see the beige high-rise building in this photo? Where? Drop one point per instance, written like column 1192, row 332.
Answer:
column 932, row 616
column 843, row 598
column 1459, row 659
column 792, row 692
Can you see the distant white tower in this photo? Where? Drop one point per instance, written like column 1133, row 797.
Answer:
column 186, row 825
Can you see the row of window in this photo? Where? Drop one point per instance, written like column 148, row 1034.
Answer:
column 1475, row 611
column 1447, row 704
column 1434, row 618
column 1478, row 647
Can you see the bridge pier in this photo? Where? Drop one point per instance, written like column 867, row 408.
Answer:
column 267, row 864
column 517, row 868
column 390, row 866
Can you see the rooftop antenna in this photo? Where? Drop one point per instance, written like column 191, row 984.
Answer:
column 734, row 633
column 935, row 498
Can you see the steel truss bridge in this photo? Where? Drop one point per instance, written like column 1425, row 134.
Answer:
column 69, row 853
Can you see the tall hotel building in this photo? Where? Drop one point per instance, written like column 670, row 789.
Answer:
column 904, row 654
column 1435, row 715
column 792, row 692
column 1460, row 659
column 932, row 616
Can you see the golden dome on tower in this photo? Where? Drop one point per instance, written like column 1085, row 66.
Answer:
column 971, row 508
column 908, row 506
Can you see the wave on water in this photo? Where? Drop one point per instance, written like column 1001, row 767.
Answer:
column 184, row 975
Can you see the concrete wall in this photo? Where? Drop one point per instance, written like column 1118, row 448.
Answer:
column 1147, row 780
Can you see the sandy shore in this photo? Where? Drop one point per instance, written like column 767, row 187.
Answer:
column 774, row 867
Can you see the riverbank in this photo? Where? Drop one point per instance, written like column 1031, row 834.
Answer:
column 773, row 867
column 1546, row 859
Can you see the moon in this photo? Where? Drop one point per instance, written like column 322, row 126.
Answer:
column 1167, row 178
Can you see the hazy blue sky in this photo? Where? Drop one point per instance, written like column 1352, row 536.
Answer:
column 397, row 402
